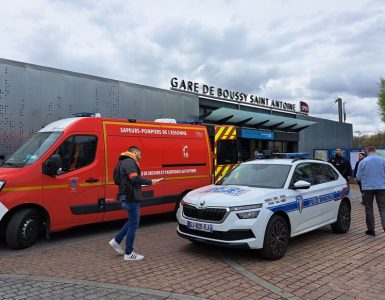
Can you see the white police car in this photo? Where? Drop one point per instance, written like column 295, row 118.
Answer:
column 262, row 203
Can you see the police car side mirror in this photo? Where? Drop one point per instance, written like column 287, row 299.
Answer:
column 52, row 166
column 301, row 184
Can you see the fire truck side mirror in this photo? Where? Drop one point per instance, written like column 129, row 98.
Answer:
column 52, row 166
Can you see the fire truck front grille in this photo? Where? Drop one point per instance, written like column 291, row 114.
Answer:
column 204, row 214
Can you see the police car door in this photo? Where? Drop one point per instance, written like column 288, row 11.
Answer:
column 307, row 214
column 329, row 189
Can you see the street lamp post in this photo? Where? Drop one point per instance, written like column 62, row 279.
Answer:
column 339, row 101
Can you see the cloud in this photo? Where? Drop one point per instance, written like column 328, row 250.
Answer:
column 315, row 51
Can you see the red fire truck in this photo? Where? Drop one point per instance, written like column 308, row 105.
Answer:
column 62, row 176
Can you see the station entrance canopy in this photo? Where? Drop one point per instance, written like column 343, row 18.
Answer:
column 255, row 120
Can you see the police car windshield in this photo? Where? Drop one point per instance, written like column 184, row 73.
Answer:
column 271, row 176
column 32, row 150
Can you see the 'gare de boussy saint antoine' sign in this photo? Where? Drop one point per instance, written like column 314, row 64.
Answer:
column 211, row 91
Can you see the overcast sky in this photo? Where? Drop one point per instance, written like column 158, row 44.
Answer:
column 290, row 50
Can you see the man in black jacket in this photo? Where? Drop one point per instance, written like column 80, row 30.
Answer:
column 361, row 156
column 130, row 195
column 342, row 165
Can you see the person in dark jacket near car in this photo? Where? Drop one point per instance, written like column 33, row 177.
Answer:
column 130, row 195
column 342, row 165
column 361, row 156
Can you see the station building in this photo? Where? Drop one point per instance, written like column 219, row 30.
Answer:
column 32, row 96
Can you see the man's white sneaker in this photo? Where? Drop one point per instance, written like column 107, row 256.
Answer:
column 133, row 256
column 116, row 246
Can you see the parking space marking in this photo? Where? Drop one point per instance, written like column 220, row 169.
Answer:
column 258, row 280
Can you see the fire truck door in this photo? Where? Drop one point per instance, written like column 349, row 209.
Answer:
column 75, row 196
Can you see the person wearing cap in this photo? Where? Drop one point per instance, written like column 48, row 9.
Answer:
column 371, row 173
column 130, row 195
column 361, row 156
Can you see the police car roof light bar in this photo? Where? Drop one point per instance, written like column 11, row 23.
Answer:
column 305, row 158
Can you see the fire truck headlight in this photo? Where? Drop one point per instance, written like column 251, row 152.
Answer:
column 2, row 183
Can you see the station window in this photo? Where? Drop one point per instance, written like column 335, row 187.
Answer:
column 227, row 152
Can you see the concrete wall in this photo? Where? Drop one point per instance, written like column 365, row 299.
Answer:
column 325, row 134
column 32, row 96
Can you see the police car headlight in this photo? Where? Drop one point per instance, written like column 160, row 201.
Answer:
column 245, row 207
column 248, row 214
column 2, row 183
column 252, row 213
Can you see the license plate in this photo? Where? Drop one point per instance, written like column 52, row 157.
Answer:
column 200, row 226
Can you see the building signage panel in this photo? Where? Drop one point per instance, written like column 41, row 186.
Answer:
column 304, row 107
column 257, row 134
column 231, row 95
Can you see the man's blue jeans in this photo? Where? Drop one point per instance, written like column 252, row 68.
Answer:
column 129, row 228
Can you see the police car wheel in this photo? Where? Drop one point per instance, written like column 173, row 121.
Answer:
column 343, row 219
column 23, row 229
column 276, row 238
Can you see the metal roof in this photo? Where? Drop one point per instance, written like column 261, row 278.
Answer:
column 256, row 120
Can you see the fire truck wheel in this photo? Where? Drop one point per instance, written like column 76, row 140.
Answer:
column 276, row 238
column 23, row 229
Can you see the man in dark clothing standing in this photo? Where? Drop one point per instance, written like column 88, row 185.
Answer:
column 130, row 195
column 361, row 156
column 342, row 165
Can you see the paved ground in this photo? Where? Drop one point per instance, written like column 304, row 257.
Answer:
column 79, row 264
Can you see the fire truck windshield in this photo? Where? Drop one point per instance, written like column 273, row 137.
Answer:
column 32, row 150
